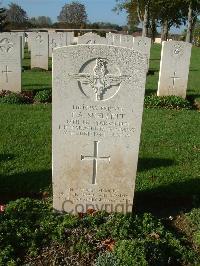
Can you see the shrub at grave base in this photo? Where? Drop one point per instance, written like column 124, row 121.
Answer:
column 30, row 227
column 37, row 69
column 6, row 256
column 168, row 102
column 194, row 221
column 28, row 96
column 107, row 259
column 16, row 98
column 12, row 98
column 197, row 103
column 130, row 252
column 43, row 96
column 25, row 97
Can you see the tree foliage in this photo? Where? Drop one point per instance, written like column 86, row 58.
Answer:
column 193, row 7
column 2, row 18
column 73, row 13
column 16, row 15
column 41, row 21
column 196, row 38
column 164, row 13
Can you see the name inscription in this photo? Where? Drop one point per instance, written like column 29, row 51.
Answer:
column 97, row 121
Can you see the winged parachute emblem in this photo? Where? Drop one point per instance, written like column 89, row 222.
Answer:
column 99, row 80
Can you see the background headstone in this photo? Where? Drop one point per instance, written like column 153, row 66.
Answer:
column 56, row 39
column 29, row 40
column 142, row 45
column 98, row 96
column 10, row 62
column 39, row 50
column 109, row 37
column 116, row 39
column 174, row 68
column 127, row 41
column 70, row 37
column 91, row 38
column 22, row 35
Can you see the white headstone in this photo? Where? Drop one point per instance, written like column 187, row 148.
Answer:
column 56, row 39
column 174, row 68
column 98, row 96
column 116, row 39
column 39, row 50
column 158, row 40
column 127, row 41
column 91, row 38
column 143, row 45
column 22, row 35
column 109, row 37
column 70, row 37
column 29, row 40
column 10, row 62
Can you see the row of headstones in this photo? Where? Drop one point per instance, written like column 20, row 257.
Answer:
column 98, row 97
column 174, row 65
column 43, row 44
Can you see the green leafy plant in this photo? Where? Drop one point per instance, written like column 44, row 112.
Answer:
column 12, row 98
column 43, row 96
column 168, row 102
column 107, row 259
column 28, row 226
column 130, row 252
column 194, row 221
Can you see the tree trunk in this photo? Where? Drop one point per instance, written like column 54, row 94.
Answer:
column 189, row 28
column 153, row 29
column 145, row 22
column 164, row 33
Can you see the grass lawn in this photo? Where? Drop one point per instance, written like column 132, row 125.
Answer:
column 169, row 151
column 167, row 185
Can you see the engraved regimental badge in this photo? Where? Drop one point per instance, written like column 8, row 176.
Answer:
column 177, row 50
column 6, row 45
column 99, row 81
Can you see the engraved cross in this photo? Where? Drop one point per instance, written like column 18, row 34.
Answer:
column 39, row 55
column 95, row 158
column 174, row 78
column 6, row 71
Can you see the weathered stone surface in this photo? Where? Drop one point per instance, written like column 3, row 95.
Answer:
column 98, row 96
column 174, row 68
column 70, row 37
column 116, row 39
column 22, row 35
column 10, row 62
column 29, row 40
column 56, row 39
column 143, row 45
column 109, row 37
column 91, row 38
column 39, row 49
column 127, row 41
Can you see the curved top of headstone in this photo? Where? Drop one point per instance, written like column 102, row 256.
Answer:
column 91, row 38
